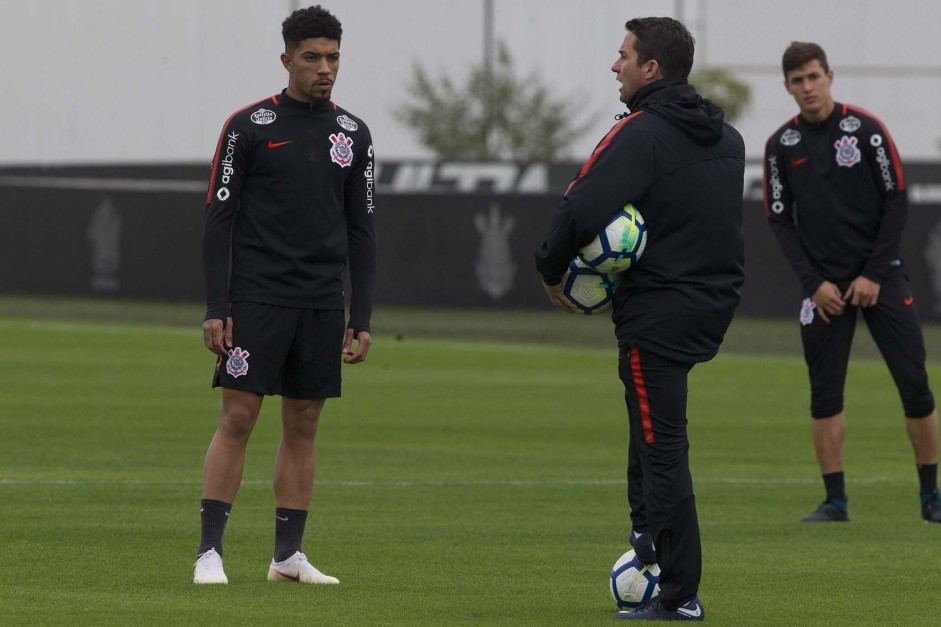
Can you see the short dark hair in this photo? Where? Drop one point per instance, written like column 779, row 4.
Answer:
column 800, row 53
column 310, row 23
column 666, row 41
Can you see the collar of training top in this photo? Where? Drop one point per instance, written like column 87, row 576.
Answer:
column 317, row 105
column 649, row 89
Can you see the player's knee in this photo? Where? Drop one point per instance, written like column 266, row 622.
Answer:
column 237, row 421
column 302, row 418
column 236, row 430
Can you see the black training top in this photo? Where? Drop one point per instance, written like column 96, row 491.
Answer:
column 290, row 200
column 683, row 168
column 835, row 197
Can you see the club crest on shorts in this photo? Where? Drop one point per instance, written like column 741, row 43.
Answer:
column 807, row 311
column 237, row 365
column 342, row 151
column 847, row 153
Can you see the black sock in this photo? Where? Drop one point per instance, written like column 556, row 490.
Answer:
column 928, row 478
column 288, row 532
column 836, row 489
column 213, row 515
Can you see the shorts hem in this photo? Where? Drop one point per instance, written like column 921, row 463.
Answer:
column 311, row 396
column 302, row 396
column 260, row 392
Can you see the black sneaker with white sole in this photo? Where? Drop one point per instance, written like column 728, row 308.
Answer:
column 654, row 610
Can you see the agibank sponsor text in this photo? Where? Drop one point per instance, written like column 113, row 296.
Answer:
column 227, row 169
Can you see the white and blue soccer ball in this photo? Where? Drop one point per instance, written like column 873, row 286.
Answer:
column 591, row 291
column 619, row 244
column 633, row 583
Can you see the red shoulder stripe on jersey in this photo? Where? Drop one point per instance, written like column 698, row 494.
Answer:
column 642, row 399
column 274, row 99
column 217, row 157
column 896, row 161
column 845, row 108
column 599, row 148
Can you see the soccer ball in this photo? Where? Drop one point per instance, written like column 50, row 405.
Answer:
column 633, row 583
column 591, row 291
column 619, row 244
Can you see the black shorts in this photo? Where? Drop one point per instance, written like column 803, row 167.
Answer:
column 283, row 350
column 896, row 330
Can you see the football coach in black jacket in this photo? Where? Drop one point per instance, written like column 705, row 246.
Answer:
column 682, row 167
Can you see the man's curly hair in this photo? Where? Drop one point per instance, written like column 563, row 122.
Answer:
column 310, row 23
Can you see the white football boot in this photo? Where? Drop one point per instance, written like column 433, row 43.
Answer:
column 297, row 568
column 208, row 568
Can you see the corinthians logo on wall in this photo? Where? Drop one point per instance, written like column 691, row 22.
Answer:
column 494, row 268
column 104, row 235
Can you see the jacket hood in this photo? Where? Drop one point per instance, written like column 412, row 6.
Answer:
column 677, row 102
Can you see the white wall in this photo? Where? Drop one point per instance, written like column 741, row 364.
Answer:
column 153, row 80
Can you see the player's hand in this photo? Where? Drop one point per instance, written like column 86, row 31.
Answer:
column 862, row 292
column 828, row 300
column 363, row 342
column 557, row 297
column 218, row 336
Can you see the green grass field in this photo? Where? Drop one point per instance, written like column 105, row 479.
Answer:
column 473, row 474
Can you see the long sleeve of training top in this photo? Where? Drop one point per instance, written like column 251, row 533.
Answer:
column 360, row 193
column 682, row 167
column 834, row 194
column 605, row 183
column 290, row 205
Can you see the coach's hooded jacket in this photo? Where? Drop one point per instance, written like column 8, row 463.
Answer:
column 682, row 167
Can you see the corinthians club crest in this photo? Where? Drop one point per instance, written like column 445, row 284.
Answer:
column 807, row 311
column 342, row 151
column 237, row 365
column 847, row 153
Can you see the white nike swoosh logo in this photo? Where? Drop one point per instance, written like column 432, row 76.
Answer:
column 285, row 519
column 686, row 612
column 637, row 536
column 227, row 514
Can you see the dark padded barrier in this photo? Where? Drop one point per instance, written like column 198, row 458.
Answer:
column 449, row 234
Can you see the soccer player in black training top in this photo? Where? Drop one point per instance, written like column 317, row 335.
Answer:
column 290, row 201
column 835, row 198
column 675, row 160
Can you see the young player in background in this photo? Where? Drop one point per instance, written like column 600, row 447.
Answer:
column 835, row 198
